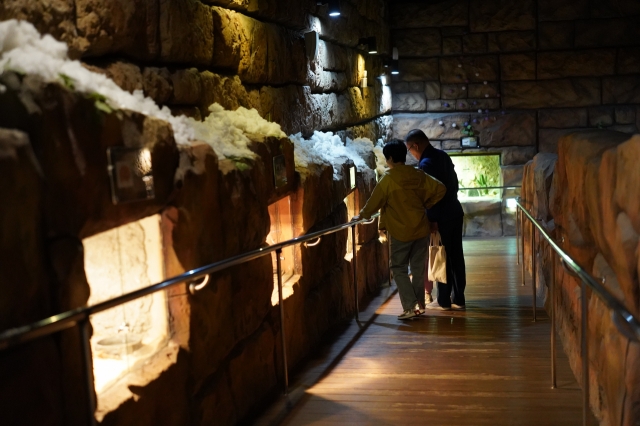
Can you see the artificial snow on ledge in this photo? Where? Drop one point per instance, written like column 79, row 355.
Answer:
column 328, row 148
column 24, row 50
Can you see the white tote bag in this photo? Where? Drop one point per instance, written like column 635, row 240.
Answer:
column 437, row 259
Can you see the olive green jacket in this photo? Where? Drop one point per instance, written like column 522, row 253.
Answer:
column 402, row 196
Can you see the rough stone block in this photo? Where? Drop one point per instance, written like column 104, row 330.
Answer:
column 614, row 8
column 513, row 129
column 451, row 45
column 625, row 115
column 429, row 123
column 521, row 66
column 473, row 69
column 624, row 128
column 416, row 87
column 442, row 105
column 600, row 116
column 482, row 90
column 559, row 10
column 516, row 156
column 556, row 35
column 400, row 87
column 157, row 84
column 474, row 43
column 409, row 102
column 453, row 91
column 511, row 175
column 417, row 14
column 258, row 52
column 417, row 42
column 186, row 32
column 293, row 14
column 121, row 26
column 553, row 93
column 548, row 139
column 417, row 70
column 502, row 15
column 607, row 32
column 576, row 64
column 621, row 90
column 563, row 118
column 512, row 41
column 451, row 144
column 432, row 90
column 126, row 75
column 628, row 61
column 484, row 104
column 187, row 87
column 482, row 217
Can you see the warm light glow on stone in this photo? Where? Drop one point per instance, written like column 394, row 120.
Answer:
column 119, row 261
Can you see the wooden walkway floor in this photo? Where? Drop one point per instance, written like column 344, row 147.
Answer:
column 489, row 365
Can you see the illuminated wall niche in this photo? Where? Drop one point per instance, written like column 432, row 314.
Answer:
column 283, row 229
column 352, row 210
column 116, row 262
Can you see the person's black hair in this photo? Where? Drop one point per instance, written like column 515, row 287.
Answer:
column 396, row 149
column 416, row 135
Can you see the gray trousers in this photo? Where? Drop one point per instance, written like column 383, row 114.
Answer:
column 403, row 254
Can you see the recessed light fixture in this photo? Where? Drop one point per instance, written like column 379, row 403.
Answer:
column 370, row 43
column 334, row 7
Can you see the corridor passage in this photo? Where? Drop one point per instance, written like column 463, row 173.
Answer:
column 489, row 365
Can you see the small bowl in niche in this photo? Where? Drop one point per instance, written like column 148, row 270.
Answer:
column 118, row 345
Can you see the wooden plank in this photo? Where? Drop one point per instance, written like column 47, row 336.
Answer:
column 489, row 365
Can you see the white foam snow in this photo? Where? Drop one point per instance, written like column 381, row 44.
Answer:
column 328, row 148
column 24, row 50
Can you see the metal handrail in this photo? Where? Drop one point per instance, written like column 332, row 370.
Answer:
column 491, row 187
column 62, row 321
column 624, row 320
column 80, row 316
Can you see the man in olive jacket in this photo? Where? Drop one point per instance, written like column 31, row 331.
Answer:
column 403, row 195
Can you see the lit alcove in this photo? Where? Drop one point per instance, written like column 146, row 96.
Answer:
column 477, row 171
column 119, row 261
column 282, row 229
column 352, row 210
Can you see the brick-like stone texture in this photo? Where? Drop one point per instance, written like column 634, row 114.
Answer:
column 559, row 10
column 621, row 90
column 607, row 32
column 472, row 69
column 432, row 89
column 502, row 15
column 551, row 93
column 614, row 8
column 454, row 91
column 518, row 66
column 556, row 35
column 417, row 70
column 409, row 102
column 480, row 90
column 417, row 14
column 563, row 118
column 186, row 32
column 600, row 116
column 625, row 115
column 474, row 43
column 451, row 45
column 629, row 61
column 509, row 130
column 576, row 64
column 417, row 42
column 512, row 41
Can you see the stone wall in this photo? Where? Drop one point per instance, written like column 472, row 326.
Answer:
column 586, row 196
column 522, row 73
column 224, row 355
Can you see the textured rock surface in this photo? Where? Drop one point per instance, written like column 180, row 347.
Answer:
column 482, row 218
column 552, row 93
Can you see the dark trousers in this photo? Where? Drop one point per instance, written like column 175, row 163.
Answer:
column 451, row 233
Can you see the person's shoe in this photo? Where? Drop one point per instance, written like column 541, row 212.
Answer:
column 435, row 306
column 458, row 307
column 418, row 310
column 408, row 314
column 428, row 297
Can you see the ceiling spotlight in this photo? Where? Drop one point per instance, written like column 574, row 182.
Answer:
column 395, row 68
column 370, row 42
column 334, row 7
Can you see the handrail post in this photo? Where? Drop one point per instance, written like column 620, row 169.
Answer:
column 533, row 268
column 87, row 365
column 585, row 355
column 552, row 295
column 522, row 243
column 285, row 368
column 517, row 239
column 354, row 263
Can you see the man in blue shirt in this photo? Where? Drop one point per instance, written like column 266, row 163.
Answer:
column 446, row 216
